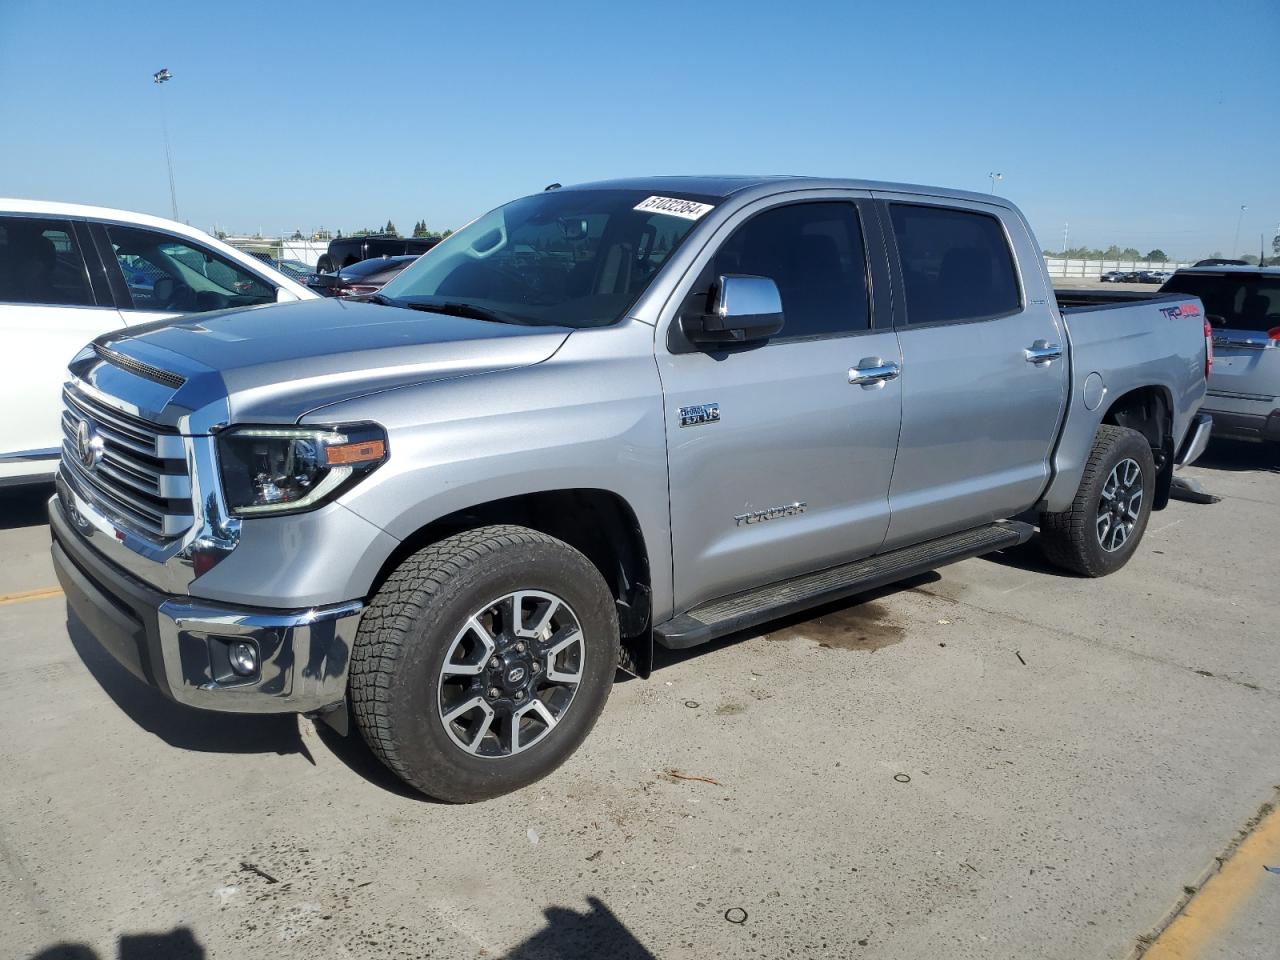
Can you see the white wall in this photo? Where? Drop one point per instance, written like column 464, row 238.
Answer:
column 1059, row 267
column 308, row 251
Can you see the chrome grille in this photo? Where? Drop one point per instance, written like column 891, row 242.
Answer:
column 141, row 476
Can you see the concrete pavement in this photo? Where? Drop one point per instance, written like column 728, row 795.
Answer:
column 992, row 761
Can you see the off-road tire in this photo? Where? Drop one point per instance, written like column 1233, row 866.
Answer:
column 406, row 633
column 1070, row 539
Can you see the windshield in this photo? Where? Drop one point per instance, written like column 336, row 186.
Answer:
column 1240, row 301
column 575, row 258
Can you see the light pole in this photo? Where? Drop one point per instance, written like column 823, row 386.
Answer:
column 161, row 76
column 1235, row 246
column 993, row 178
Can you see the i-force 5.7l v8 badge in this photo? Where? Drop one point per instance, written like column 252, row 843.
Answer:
column 699, row 413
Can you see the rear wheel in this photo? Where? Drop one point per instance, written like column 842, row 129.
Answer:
column 483, row 662
column 1100, row 531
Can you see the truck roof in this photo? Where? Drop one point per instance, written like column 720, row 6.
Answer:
column 1232, row 268
column 728, row 185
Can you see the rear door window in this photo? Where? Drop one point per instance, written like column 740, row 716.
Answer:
column 956, row 264
column 1238, row 301
column 40, row 262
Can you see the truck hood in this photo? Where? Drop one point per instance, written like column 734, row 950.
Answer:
column 275, row 363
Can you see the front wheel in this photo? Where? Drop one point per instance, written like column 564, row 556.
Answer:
column 1104, row 524
column 483, row 662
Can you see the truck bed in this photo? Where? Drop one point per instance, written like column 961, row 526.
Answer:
column 1076, row 300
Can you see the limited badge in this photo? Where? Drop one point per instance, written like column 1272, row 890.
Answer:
column 699, row 413
column 674, row 207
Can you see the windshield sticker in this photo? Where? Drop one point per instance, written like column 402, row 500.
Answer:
column 684, row 209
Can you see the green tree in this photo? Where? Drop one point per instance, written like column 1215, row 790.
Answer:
column 447, row 233
column 420, row 229
column 1158, row 254
column 391, row 229
column 1250, row 258
column 1128, row 253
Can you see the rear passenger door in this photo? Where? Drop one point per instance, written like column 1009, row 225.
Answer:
column 984, row 369
column 779, row 464
column 52, row 302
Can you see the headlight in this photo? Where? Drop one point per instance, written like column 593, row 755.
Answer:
column 270, row 470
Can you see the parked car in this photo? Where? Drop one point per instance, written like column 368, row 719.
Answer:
column 1243, row 307
column 650, row 410
column 360, row 279
column 346, row 251
column 1113, row 276
column 1152, row 276
column 293, row 269
column 70, row 272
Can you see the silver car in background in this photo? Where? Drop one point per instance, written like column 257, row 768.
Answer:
column 1242, row 305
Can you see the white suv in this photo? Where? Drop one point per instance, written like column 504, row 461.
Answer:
column 69, row 273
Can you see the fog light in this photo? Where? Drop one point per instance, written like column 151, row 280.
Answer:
column 244, row 658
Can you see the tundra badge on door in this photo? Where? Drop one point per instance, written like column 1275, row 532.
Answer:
column 699, row 413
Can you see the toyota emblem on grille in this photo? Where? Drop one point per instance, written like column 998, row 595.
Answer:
column 89, row 445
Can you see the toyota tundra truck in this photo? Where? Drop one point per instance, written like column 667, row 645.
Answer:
column 600, row 418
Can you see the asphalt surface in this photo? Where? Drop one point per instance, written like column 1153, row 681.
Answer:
column 994, row 761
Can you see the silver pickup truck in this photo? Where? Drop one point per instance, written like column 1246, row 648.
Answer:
column 597, row 418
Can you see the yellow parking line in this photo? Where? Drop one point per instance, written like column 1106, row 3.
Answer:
column 1213, row 906
column 42, row 594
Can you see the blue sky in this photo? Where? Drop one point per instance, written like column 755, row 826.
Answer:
column 1141, row 126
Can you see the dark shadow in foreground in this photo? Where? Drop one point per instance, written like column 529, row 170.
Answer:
column 178, row 944
column 570, row 935
column 177, row 725
column 25, row 506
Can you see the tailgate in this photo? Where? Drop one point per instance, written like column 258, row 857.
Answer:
column 1246, row 365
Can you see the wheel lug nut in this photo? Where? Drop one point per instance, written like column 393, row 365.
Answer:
column 494, row 693
column 536, row 667
column 520, row 648
column 494, row 663
column 519, row 694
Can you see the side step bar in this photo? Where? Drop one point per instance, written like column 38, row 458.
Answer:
column 718, row 618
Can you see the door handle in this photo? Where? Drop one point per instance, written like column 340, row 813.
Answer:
column 872, row 372
column 1042, row 352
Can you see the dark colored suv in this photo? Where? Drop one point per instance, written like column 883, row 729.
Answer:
column 348, row 250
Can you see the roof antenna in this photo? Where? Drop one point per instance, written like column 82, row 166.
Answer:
column 1262, row 250
column 551, row 186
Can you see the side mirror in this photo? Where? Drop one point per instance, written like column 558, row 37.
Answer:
column 742, row 309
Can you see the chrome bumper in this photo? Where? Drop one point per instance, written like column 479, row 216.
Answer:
column 1197, row 439
column 181, row 645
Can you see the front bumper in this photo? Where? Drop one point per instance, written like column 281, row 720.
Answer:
column 181, row 645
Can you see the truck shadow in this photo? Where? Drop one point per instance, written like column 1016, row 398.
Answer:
column 25, row 506
column 179, row 726
column 1238, row 456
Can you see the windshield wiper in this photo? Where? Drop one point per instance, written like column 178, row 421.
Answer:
column 383, row 300
column 468, row 310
